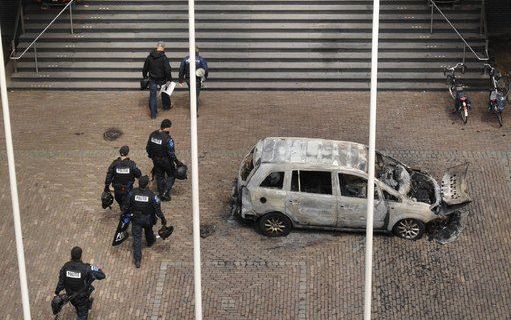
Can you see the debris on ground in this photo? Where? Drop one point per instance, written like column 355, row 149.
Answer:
column 448, row 230
column 112, row 134
column 206, row 230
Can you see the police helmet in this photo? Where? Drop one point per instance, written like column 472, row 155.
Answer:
column 106, row 199
column 200, row 72
column 165, row 232
column 57, row 303
column 181, row 172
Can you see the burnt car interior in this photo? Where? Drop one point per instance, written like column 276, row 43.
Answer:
column 319, row 182
column 274, row 180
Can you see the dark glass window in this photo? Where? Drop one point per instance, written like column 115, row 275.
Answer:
column 354, row 186
column 274, row 180
column 316, row 182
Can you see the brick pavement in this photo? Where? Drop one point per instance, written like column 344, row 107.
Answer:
column 62, row 159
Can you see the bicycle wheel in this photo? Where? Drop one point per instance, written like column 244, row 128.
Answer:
column 464, row 115
column 503, row 85
column 452, row 87
column 499, row 117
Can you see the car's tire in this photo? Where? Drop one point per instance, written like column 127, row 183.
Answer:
column 275, row 224
column 410, row 229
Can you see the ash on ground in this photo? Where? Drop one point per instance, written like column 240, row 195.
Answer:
column 206, row 230
column 448, row 230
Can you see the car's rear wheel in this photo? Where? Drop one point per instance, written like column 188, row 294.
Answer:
column 275, row 224
column 410, row 229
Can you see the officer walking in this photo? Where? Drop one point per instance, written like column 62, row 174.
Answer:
column 121, row 174
column 201, row 72
column 160, row 148
column 76, row 278
column 144, row 206
column 157, row 66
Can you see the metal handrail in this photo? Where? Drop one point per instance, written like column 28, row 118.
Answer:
column 19, row 17
column 33, row 43
column 465, row 43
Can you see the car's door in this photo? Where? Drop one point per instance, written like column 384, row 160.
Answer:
column 352, row 209
column 310, row 201
column 269, row 194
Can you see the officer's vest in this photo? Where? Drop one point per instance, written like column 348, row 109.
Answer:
column 75, row 274
column 123, row 173
column 142, row 202
column 157, row 144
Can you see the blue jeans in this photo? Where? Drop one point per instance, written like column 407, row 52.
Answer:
column 153, row 95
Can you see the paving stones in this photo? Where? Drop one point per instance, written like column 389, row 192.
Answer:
column 307, row 275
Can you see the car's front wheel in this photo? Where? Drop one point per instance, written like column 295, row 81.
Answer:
column 410, row 229
column 275, row 224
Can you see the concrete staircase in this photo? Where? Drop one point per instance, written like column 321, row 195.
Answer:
column 250, row 44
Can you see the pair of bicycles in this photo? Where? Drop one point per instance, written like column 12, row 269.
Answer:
column 498, row 96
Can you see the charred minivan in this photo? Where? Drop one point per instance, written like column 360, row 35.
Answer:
column 286, row 183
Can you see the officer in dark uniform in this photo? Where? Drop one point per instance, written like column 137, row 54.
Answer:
column 144, row 206
column 160, row 148
column 121, row 174
column 76, row 278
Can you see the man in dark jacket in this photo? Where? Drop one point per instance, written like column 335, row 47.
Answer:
column 76, row 278
column 144, row 206
column 121, row 174
column 201, row 72
column 160, row 148
column 157, row 66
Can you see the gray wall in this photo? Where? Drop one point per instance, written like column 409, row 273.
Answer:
column 498, row 13
column 8, row 11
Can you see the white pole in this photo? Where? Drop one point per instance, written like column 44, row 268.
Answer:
column 14, row 190
column 195, row 165
column 371, row 158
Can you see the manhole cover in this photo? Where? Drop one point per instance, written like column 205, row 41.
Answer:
column 112, row 134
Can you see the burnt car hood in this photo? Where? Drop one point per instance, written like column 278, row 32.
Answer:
column 453, row 190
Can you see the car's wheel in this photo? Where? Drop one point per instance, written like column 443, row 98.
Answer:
column 275, row 224
column 410, row 229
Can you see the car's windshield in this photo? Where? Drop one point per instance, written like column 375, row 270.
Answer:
column 248, row 165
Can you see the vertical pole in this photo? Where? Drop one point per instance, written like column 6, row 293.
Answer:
column 464, row 51
column 195, row 165
column 14, row 190
column 431, row 19
column 35, row 58
column 22, row 19
column 71, row 17
column 370, row 162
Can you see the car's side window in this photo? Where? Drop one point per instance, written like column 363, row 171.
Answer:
column 354, row 186
column 294, row 181
column 274, row 180
column 390, row 197
column 316, row 182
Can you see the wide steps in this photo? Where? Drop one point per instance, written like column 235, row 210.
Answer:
column 250, row 45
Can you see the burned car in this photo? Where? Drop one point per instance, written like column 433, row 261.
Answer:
column 286, row 183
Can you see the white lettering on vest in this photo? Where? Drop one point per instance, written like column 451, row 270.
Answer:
column 73, row 274
column 157, row 141
column 123, row 170
column 141, row 198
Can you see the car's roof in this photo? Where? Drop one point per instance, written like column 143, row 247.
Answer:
column 312, row 152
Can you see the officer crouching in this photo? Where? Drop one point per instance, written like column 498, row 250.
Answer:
column 76, row 278
column 121, row 174
column 144, row 206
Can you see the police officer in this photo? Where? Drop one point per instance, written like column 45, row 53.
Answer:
column 144, row 206
column 160, row 148
column 121, row 174
column 76, row 278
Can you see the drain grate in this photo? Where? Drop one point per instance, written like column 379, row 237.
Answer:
column 112, row 134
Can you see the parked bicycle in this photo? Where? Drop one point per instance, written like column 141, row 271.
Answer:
column 462, row 103
column 498, row 92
